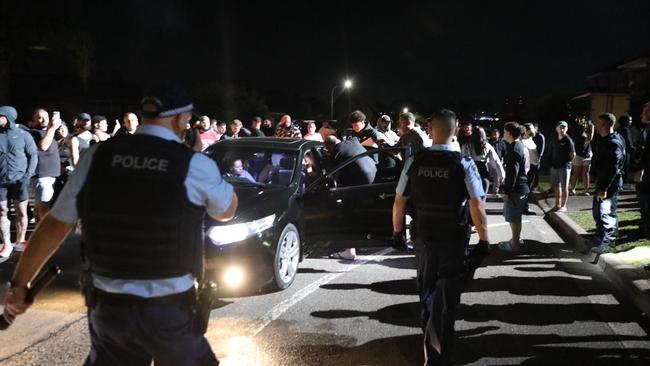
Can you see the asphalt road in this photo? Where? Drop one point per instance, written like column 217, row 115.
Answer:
column 544, row 306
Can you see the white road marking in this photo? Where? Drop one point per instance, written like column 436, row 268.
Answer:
column 285, row 305
column 506, row 223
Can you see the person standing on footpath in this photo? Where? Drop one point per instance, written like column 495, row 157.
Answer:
column 514, row 189
column 18, row 160
column 445, row 188
column 563, row 151
column 582, row 162
column 642, row 175
column 49, row 162
column 142, row 238
column 608, row 166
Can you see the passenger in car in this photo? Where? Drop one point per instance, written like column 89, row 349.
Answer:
column 238, row 170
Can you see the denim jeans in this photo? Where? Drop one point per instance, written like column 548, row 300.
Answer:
column 604, row 213
column 643, row 196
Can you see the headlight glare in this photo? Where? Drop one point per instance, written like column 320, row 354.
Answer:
column 227, row 234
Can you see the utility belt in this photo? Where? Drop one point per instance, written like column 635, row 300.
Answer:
column 186, row 298
column 200, row 302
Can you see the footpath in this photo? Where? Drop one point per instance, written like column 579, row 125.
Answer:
column 624, row 269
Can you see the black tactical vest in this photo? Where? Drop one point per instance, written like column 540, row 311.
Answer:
column 137, row 220
column 438, row 192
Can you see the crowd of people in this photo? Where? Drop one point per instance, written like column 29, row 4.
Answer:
column 448, row 171
column 50, row 151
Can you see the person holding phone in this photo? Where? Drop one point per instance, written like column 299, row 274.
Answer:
column 49, row 162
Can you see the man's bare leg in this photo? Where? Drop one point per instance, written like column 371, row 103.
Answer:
column 5, row 224
column 21, row 220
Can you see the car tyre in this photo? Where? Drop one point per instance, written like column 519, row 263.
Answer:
column 287, row 257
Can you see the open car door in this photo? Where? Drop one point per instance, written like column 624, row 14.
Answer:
column 354, row 215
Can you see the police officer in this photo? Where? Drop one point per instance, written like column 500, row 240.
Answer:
column 444, row 188
column 141, row 199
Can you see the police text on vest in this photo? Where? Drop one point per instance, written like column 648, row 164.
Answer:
column 140, row 162
column 428, row 172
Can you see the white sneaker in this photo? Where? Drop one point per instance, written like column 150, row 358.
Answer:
column 19, row 247
column 561, row 209
column 572, row 192
column 6, row 250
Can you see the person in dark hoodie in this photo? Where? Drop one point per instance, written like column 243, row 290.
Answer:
column 608, row 166
column 18, row 159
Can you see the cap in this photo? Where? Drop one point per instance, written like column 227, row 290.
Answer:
column 9, row 112
column 562, row 123
column 384, row 118
column 83, row 116
column 98, row 118
column 165, row 101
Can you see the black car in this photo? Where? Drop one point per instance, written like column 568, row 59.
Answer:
column 290, row 202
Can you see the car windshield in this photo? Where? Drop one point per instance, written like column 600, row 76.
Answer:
column 258, row 166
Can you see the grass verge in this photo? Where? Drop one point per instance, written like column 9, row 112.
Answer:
column 629, row 233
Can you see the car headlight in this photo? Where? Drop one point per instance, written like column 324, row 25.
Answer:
column 227, row 234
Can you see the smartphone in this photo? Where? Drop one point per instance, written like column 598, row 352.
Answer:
column 56, row 115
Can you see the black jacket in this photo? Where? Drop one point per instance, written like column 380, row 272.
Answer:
column 608, row 163
column 516, row 180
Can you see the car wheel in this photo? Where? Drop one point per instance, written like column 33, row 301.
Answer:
column 287, row 256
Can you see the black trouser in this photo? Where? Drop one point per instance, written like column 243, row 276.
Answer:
column 533, row 182
column 439, row 270
column 643, row 196
column 126, row 330
column 533, row 177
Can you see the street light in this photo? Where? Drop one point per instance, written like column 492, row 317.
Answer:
column 346, row 85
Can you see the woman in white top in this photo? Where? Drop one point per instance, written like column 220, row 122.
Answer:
column 485, row 157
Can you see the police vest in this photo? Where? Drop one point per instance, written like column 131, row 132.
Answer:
column 137, row 221
column 438, row 192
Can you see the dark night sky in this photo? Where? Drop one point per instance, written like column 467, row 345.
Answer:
column 397, row 50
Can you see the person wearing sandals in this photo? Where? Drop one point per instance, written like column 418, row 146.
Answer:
column 514, row 189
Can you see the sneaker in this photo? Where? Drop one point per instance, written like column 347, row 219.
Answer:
column 561, row 209
column 586, row 193
column 600, row 249
column 506, row 246
column 6, row 250
column 19, row 247
column 572, row 192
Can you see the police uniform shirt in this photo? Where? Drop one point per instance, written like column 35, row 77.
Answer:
column 473, row 182
column 204, row 187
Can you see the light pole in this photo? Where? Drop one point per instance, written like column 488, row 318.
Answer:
column 346, row 85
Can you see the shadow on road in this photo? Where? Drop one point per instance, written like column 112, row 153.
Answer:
column 405, row 314
column 396, row 287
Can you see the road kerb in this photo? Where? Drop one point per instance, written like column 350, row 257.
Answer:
column 574, row 235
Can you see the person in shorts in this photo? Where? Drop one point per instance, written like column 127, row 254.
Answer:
column 581, row 165
column 514, row 189
column 49, row 163
column 18, row 159
column 563, row 151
